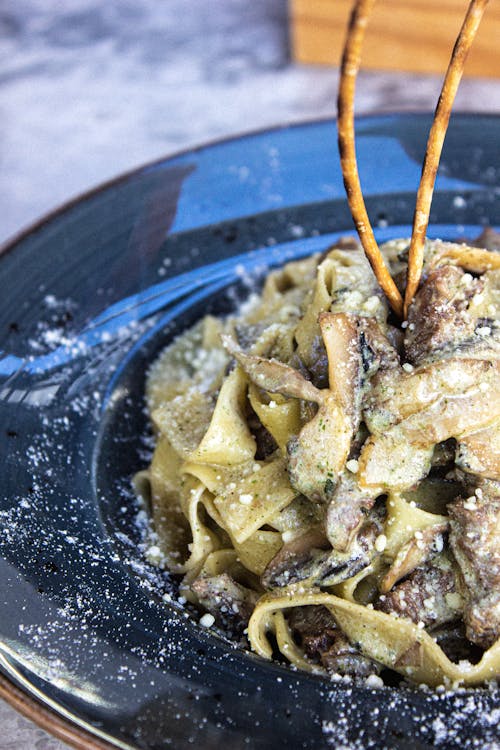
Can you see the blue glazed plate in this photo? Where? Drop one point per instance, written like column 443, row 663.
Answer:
column 89, row 296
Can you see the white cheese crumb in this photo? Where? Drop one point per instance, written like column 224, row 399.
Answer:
column 453, row 600
column 352, row 466
column 420, row 625
column 154, row 554
column 374, row 681
column 207, row 620
column 380, row 543
column 407, row 367
column 371, row 304
column 470, row 503
column 272, row 404
column 353, row 299
column 246, row 499
column 483, row 331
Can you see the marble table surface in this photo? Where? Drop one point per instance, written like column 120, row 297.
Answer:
column 89, row 89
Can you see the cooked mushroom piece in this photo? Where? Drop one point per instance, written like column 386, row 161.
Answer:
column 323, row 642
column 451, row 638
column 229, row 601
column 476, row 260
column 475, row 541
column 272, row 375
column 297, row 560
column 455, row 314
column 418, row 551
column 400, row 454
column 489, row 239
column 317, row 455
column 430, row 595
column 347, row 511
column 479, row 453
column 346, row 363
column 438, row 317
column 310, row 557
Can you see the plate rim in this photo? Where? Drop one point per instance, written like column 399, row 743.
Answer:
column 9, row 243
column 49, row 719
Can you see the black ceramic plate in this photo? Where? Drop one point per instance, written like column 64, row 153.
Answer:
column 89, row 296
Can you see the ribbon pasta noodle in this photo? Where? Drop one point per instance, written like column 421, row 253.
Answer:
column 326, row 481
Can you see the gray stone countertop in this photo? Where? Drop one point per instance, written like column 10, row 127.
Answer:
column 89, row 89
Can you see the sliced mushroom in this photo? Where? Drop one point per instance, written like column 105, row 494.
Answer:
column 401, row 455
column 473, row 259
column 340, row 334
column 382, row 346
column 489, row 239
column 397, row 394
column 475, row 541
column 429, row 595
column 310, row 558
column 272, row 375
column 324, row 642
column 438, row 318
column 318, row 454
column 479, row 453
column 230, row 602
column 347, row 511
column 297, row 560
column 415, row 553
column 451, row 638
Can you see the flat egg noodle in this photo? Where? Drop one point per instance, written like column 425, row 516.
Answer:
column 395, row 642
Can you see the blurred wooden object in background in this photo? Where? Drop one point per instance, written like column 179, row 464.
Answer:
column 411, row 35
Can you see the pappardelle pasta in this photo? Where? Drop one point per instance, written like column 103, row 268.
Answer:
column 326, row 481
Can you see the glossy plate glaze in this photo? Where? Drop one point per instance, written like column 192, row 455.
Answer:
column 89, row 296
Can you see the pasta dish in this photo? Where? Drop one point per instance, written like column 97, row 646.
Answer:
column 326, row 478
column 328, row 482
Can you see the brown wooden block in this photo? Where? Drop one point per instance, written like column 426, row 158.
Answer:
column 412, row 35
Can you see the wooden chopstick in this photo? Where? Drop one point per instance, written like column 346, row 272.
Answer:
column 435, row 145
column 346, row 141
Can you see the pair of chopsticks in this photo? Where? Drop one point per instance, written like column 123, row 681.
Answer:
column 346, row 139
